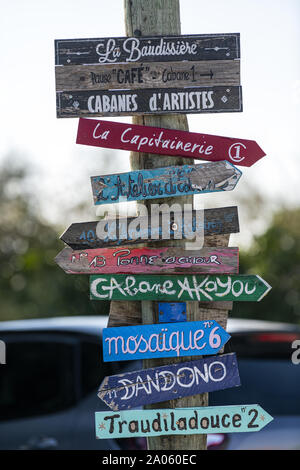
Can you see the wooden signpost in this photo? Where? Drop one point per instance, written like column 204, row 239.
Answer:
column 189, row 100
column 133, row 230
column 166, row 48
column 165, row 182
column 178, row 287
column 155, row 140
column 127, row 314
column 129, row 76
column 148, row 260
column 134, row 389
column 163, row 340
column 159, row 78
column 181, row 421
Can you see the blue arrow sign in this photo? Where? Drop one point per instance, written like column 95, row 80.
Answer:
column 212, row 419
column 165, row 182
column 197, row 338
column 142, row 387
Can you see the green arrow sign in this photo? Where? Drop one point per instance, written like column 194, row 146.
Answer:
column 213, row 419
column 178, row 287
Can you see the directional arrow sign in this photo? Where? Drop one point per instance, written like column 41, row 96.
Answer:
column 148, row 260
column 132, row 230
column 196, row 338
column 145, row 386
column 140, row 76
column 112, row 76
column 206, row 420
column 178, row 287
column 155, row 140
column 165, row 182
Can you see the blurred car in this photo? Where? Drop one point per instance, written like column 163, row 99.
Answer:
column 48, row 386
column 268, row 378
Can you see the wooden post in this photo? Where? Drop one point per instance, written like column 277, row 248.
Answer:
column 162, row 17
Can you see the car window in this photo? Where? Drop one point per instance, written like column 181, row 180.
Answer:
column 273, row 384
column 38, row 378
column 93, row 369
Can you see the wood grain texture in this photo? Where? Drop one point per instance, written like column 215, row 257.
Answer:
column 184, row 423
column 163, row 260
column 128, row 313
column 156, row 17
column 118, row 232
column 165, row 182
column 179, row 287
column 192, row 100
column 153, row 48
column 138, row 388
column 154, row 75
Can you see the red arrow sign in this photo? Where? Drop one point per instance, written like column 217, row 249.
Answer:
column 156, row 140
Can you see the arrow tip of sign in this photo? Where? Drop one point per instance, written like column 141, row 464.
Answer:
column 268, row 288
column 60, row 257
column 62, row 237
column 262, row 153
column 264, row 417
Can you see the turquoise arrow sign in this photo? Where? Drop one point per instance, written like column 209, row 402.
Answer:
column 165, row 182
column 213, row 419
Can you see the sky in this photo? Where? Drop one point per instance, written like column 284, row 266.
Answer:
column 60, row 169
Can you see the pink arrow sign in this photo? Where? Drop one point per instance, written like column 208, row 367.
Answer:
column 155, row 140
column 164, row 260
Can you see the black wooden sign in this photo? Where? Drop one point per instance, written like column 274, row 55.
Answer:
column 147, row 49
column 117, row 232
column 192, row 100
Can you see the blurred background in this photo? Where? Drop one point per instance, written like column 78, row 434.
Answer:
column 44, row 175
column 33, row 286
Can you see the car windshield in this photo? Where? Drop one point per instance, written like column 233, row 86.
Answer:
column 268, row 375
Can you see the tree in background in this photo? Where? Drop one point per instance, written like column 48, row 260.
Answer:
column 31, row 284
column 275, row 256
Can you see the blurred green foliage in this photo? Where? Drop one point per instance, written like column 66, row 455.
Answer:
column 32, row 285
column 275, row 256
